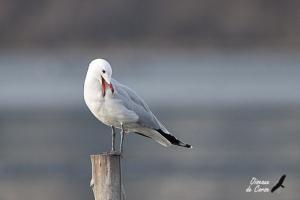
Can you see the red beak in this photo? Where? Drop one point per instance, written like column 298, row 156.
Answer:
column 111, row 88
column 103, row 87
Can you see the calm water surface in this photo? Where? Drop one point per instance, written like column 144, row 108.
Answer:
column 239, row 110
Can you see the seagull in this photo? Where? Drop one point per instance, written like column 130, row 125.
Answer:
column 118, row 106
column 279, row 183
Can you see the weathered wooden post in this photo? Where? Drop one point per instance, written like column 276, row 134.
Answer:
column 106, row 180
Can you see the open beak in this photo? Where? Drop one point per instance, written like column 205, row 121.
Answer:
column 104, row 84
column 111, row 88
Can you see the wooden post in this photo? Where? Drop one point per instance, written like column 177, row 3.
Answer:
column 106, row 180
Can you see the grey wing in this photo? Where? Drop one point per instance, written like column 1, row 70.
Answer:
column 138, row 105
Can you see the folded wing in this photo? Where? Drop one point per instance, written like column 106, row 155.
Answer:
column 149, row 124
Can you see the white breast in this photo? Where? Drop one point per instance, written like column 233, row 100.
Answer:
column 92, row 95
column 109, row 109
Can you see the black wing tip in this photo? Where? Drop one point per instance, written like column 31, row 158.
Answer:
column 174, row 140
column 184, row 145
column 188, row 146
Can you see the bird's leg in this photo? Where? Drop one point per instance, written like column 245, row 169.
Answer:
column 122, row 138
column 113, row 136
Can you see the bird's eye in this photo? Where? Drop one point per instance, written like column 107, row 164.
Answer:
column 103, row 71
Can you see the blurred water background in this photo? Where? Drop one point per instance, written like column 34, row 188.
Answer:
column 221, row 76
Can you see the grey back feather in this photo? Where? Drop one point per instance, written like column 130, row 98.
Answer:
column 136, row 104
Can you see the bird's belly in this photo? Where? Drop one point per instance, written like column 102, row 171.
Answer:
column 112, row 113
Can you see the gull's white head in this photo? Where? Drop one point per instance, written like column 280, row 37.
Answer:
column 101, row 70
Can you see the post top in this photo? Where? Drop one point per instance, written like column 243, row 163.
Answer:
column 106, row 154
